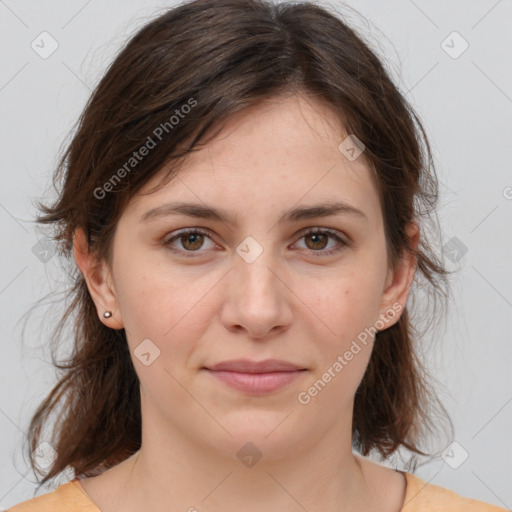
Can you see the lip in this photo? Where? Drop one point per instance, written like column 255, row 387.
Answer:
column 248, row 366
column 256, row 377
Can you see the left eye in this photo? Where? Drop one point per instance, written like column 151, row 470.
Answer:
column 321, row 236
column 193, row 239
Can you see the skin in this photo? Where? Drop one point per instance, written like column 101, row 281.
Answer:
column 291, row 303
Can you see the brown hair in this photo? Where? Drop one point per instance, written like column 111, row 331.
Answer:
column 220, row 57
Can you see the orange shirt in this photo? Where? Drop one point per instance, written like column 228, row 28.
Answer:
column 419, row 497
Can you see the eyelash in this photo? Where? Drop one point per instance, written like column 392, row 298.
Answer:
column 316, row 231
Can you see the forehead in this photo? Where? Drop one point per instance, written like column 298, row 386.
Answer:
column 281, row 152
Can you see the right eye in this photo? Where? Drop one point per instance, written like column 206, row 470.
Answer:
column 190, row 239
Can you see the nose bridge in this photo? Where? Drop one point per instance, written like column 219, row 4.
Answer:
column 254, row 263
column 255, row 296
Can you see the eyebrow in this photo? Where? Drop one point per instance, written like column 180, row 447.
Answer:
column 200, row 211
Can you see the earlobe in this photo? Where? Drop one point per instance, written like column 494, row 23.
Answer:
column 399, row 281
column 97, row 276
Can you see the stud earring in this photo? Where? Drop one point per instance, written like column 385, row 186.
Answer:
column 107, row 314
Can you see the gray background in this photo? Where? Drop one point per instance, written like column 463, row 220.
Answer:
column 465, row 101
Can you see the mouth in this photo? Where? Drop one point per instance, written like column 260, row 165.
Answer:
column 256, row 378
column 256, row 383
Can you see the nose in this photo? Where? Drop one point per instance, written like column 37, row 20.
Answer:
column 257, row 297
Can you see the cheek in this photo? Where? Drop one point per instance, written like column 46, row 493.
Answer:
column 348, row 309
column 170, row 309
column 346, row 305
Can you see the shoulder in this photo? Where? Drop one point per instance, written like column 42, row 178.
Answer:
column 67, row 497
column 422, row 496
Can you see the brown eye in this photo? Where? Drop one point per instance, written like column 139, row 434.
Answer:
column 191, row 241
column 318, row 239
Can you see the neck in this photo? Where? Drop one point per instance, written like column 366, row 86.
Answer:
column 176, row 472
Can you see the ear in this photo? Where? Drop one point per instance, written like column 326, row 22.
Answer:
column 399, row 281
column 99, row 281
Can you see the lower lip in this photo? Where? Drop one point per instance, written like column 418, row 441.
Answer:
column 256, row 383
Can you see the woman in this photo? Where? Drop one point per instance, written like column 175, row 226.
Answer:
column 243, row 199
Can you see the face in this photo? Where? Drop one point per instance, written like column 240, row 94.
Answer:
column 308, row 289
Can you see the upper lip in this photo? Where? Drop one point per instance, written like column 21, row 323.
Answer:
column 248, row 366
